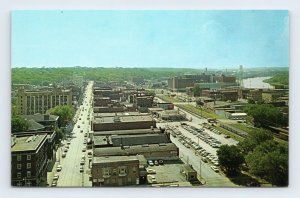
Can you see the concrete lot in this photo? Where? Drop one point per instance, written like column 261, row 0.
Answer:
column 169, row 174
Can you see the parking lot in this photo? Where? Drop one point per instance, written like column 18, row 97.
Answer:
column 169, row 174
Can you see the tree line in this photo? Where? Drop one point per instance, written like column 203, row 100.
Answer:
column 264, row 157
column 39, row 76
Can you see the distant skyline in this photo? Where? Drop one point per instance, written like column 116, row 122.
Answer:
column 180, row 39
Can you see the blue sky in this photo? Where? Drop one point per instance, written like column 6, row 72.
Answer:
column 185, row 39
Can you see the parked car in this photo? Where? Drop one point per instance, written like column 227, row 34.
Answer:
column 151, row 171
column 161, row 162
column 151, row 179
column 81, row 169
column 64, row 154
column 54, row 183
column 150, row 162
column 216, row 169
column 55, row 177
column 156, row 163
column 58, row 168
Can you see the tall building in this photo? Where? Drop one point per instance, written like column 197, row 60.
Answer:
column 39, row 101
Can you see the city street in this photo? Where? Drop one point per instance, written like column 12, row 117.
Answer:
column 70, row 175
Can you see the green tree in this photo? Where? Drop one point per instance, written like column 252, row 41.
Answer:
column 196, row 90
column 254, row 138
column 251, row 101
column 265, row 114
column 269, row 160
column 152, row 93
column 19, row 124
column 230, row 158
column 59, row 135
column 65, row 113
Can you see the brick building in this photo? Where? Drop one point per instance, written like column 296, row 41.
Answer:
column 116, row 170
column 123, row 122
column 29, row 160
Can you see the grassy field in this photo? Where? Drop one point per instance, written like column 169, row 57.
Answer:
column 232, row 135
column 242, row 127
column 204, row 112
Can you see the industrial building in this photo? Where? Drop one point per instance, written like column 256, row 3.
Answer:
column 165, row 151
column 123, row 122
column 181, row 83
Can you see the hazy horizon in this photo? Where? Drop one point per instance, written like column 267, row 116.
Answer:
column 150, row 39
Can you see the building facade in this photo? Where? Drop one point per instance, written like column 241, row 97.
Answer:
column 32, row 102
column 29, row 160
column 115, row 171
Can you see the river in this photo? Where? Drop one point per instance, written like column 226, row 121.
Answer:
column 257, row 83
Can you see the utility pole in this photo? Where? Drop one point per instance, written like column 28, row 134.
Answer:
column 200, row 169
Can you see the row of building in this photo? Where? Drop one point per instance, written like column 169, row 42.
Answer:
column 124, row 139
column 32, row 99
column 33, row 152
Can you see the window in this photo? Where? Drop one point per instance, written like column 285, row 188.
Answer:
column 122, row 171
column 19, row 175
column 28, row 157
column 106, row 172
column 19, row 157
column 28, row 174
column 19, row 166
column 28, row 165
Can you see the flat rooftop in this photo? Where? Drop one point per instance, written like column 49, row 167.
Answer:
column 138, row 118
column 140, row 139
column 133, row 150
column 28, row 143
column 102, row 140
column 119, row 114
column 127, row 132
column 112, row 159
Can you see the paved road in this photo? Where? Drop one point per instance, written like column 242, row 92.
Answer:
column 70, row 175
